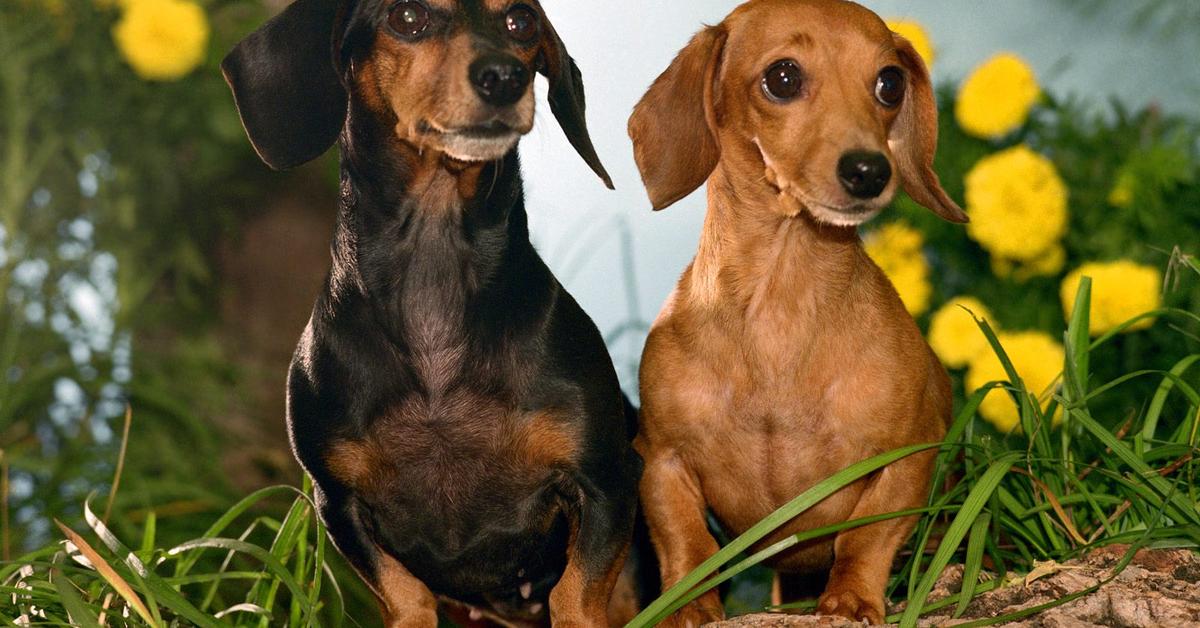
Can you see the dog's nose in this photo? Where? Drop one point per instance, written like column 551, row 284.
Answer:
column 864, row 174
column 500, row 80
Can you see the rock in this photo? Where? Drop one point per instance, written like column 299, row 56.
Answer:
column 1159, row 589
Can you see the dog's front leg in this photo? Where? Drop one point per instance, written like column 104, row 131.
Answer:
column 601, row 532
column 863, row 556
column 675, row 511
column 404, row 601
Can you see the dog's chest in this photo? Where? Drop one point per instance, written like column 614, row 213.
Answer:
column 758, row 434
column 460, row 479
column 456, row 447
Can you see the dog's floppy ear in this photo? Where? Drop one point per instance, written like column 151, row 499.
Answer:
column 567, row 99
column 674, row 126
column 286, row 86
column 914, row 138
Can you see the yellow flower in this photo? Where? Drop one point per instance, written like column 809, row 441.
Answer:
column 896, row 248
column 997, row 98
column 1048, row 264
column 1120, row 291
column 917, row 36
column 1038, row 359
column 162, row 40
column 1018, row 206
column 1122, row 193
column 953, row 333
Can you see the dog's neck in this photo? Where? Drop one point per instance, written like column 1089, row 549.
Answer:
column 761, row 249
column 413, row 220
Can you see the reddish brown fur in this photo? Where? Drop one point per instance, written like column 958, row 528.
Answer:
column 580, row 601
column 785, row 354
column 357, row 463
column 405, row 600
column 543, row 441
column 446, row 99
column 520, row 443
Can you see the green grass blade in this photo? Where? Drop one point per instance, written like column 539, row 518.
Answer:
column 1123, row 327
column 338, row 603
column 1033, row 423
column 788, row 543
column 1184, row 387
column 974, row 562
column 77, row 610
column 285, row 543
column 976, row 500
column 1154, row 412
column 314, row 594
column 110, row 575
column 273, row 565
column 1147, row 475
column 245, row 607
column 153, row 583
column 231, row 515
column 1078, row 345
column 148, row 534
column 952, row 446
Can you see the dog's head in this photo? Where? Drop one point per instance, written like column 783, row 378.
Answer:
column 453, row 76
column 837, row 110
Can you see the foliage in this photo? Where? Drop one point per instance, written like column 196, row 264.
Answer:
column 112, row 189
column 1152, row 163
column 246, row 570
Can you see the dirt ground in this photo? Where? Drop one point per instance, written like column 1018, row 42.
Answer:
column 1159, row 589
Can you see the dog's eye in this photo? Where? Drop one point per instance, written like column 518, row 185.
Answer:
column 409, row 18
column 783, row 81
column 889, row 87
column 521, row 23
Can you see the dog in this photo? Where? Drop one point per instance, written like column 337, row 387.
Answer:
column 784, row 354
column 457, row 410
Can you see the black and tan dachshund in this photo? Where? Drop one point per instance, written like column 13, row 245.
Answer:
column 457, row 410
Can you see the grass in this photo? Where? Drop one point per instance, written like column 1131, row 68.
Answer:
column 1048, row 493
column 267, row 571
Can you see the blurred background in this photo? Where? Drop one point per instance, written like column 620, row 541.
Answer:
column 149, row 261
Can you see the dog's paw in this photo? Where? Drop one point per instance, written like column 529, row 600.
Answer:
column 694, row 615
column 849, row 604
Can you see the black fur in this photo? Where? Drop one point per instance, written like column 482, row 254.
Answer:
column 437, row 333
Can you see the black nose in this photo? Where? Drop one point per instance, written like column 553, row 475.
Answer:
column 863, row 174
column 500, row 80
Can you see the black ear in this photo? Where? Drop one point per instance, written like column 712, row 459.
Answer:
column 567, row 99
column 286, row 87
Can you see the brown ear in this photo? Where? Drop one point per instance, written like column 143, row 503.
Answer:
column 673, row 127
column 567, row 100
column 914, row 139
